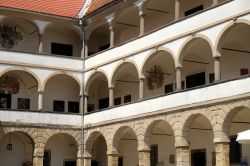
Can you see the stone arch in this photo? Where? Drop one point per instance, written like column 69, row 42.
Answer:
column 60, row 73
column 150, row 128
column 90, row 140
column 34, row 75
column 92, row 76
column 118, row 135
column 225, row 31
column 180, row 55
column 151, row 56
column 230, row 113
column 121, row 64
column 187, row 125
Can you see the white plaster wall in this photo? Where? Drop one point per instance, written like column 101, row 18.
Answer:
column 179, row 99
column 41, row 60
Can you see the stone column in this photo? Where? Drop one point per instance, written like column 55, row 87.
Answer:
column 141, row 89
column 142, row 23
column 178, row 79
column 40, row 48
column 217, row 72
column 79, row 161
column 222, row 154
column 144, row 157
column 87, row 161
column 182, row 156
column 81, row 106
column 83, row 49
column 112, row 36
column 85, row 103
column 86, row 50
column 113, row 159
column 111, row 96
column 177, row 9
column 40, row 100
column 37, row 160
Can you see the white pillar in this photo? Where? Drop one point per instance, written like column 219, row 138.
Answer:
column 40, row 49
column 217, row 71
column 111, row 96
column 112, row 36
column 85, row 103
column 142, row 23
column 40, row 100
column 178, row 79
column 177, row 9
column 141, row 89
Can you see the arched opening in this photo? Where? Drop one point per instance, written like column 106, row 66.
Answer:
column 26, row 38
column 60, row 149
column 98, row 92
column 127, row 25
column 62, row 40
column 235, row 52
column 159, row 72
column 158, row 13
column 61, row 94
column 16, row 149
column 126, row 83
column 162, row 143
column 98, row 149
column 239, row 122
column 125, row 141
column 99, row 39
column 199, row 134
column 19, row 90
column 197, row 63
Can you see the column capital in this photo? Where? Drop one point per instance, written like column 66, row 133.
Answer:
column 40, row 92
column 178, row 67
column 217, row 58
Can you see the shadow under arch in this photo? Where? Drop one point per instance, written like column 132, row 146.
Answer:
column 22, row 69
column 225, row 31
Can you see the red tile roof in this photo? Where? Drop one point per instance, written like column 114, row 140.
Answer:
column 68, row 8
column 96, row 4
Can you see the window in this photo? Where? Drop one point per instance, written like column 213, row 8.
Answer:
column 194, row 10
column 118, row 101
column 23, row 103
column 73, row 106
column 46, row 157
column 61, row 49
column 127, row 99
column 154, row 155
column 195, row 80
column 235, row 151
column 120, row 161
column 104, row 103
column 5, row 100
column 69, row 163
column 58, row 106
column 169, row 88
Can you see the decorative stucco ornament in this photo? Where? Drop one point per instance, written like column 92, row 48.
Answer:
column 9, row 85
column 9, row 36
column 155, row 78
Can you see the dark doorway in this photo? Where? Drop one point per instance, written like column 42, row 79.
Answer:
column 94, row 163
column 70, row 163
column 198, row 157
column 195, row 80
